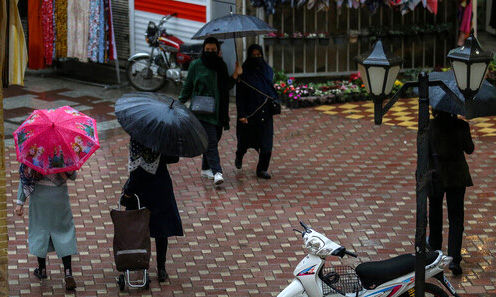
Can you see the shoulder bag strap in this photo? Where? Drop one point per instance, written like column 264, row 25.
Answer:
column 267, row 97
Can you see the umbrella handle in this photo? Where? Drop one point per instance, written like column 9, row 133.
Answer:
column 172, row 103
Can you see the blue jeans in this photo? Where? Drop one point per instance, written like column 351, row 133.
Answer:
column 211, row 159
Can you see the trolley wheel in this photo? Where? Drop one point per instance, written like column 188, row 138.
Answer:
column 121, row 282
column 147, row 283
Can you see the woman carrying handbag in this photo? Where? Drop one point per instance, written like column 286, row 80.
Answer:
column 256, row 104
column 207, row 85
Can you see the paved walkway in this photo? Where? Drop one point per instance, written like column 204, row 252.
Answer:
column 345, row 177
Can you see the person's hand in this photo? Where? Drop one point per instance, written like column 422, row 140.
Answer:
column 19, row 210
column 238, row 70
column 243, row 120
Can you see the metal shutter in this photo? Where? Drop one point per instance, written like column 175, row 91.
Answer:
column 120, row 15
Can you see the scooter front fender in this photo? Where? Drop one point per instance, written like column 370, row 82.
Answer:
column 294, row 289
column 138, row 55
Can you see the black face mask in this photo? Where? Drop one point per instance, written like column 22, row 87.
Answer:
column 255, row 61
column 210, row 59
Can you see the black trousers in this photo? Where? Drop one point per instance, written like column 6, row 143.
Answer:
column 211, row 159
column 454, row 199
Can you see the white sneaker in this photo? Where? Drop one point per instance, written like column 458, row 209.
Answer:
column 218, row 179
column 207, row 173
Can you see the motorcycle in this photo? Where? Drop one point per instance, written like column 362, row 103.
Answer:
column 169, row 58
column 391, row 278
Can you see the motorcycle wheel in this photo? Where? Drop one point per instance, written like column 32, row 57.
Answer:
column 144, row 76
column 430, row 290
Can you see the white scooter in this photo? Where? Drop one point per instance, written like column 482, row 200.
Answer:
column 391, row 278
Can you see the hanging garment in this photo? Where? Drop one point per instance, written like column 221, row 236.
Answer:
column 36, row 50
column 48, row 34
column 101, row 29
column 77, row 29
column 311, row 4
column 3, row 39
column 466, row 16
column 112, row 48
column 18, row 54
column 94, row 33
column 431, row 5
column 61, row 28
column 492, row 21
column 323, row 5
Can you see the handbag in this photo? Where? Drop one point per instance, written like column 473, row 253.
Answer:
column 203, row 105
column 274, row 106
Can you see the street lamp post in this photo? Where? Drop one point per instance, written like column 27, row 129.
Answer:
column 379, row 73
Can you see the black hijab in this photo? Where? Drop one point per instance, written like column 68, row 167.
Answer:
column 258, row 73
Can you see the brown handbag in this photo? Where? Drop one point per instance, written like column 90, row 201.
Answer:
column 132, row 248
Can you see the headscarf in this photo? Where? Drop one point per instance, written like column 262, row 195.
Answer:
column 258, row 73
column 142, row 156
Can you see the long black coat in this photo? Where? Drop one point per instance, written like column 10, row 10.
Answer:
column 449, row 139
column 156, row 193
column 259, row 131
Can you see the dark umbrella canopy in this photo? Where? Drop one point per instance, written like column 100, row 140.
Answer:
column 161, row 123
column 233, row 26
column 484, row 103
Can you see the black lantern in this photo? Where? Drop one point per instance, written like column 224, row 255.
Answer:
column 378, row 71
column 469, row 63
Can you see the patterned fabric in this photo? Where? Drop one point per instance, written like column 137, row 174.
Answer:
column 61, row 28
column 141, row 156
column 48, row 34
column 101, row 35
column 30, row 177
column 94, row 36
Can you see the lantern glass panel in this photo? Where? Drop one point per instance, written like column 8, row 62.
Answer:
column 460, row 70
column 378, row 75
column 363, row 74
column 477, row 72
column 391, row 79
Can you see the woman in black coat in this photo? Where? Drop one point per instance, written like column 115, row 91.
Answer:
column 255, row 128
column 150, row 180
column 449, row 139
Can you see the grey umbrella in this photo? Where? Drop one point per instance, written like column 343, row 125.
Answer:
column 161, row 123
column 484, row 103
column 233, row 26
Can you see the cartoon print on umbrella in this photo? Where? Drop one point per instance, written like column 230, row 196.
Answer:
column 80, row 148
column 22, row 136
column 88, row 128
column 58, row 160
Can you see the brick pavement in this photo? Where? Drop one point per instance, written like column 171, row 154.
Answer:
column 347, row 178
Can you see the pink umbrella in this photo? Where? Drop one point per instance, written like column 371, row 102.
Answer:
column 56, row 140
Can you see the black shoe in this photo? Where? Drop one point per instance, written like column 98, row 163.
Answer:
column 238, row 162
column 70, row 283
column 40, row 274
column 162, row 275
column 264, row 175
column 455, row 268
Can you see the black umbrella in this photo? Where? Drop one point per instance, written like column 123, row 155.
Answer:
column 161, row 123
column 484, row 103
column 233, row 26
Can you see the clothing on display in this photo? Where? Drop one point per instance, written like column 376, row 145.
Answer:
column 70, row 29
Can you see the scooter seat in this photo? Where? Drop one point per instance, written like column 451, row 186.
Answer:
column 191, row 48
column 374, row 274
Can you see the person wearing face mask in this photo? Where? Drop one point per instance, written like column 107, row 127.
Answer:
column 208, row 76
column 255, row 128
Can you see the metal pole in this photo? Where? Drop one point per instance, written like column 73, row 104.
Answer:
column 421, row 191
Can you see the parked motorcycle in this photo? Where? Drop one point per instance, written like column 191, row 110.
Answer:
column 169, row 58
column 391, row 278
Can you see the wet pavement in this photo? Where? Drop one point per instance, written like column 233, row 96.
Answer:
column 344, row 176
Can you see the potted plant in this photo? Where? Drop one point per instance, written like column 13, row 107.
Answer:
column 270, row 39
column 339, row 40
column 323, row 38
column 353, row 36
column 297, row 38
column 284, row 39
column 311, row 38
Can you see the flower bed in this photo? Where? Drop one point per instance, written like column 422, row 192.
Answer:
column 296, row 95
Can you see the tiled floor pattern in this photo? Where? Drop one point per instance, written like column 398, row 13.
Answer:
column 348, row 179
column 404, row 113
